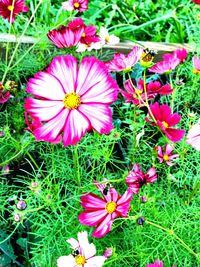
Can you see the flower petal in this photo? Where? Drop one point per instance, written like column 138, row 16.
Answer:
column 99, row 115
column 91, row 202
column 64, row 261
column 175, row 135
column 44, row 110
column 46, row 86
column 94, row 82
column 75, row 127
column 73, row 242
column 97, row 261
column 104, row 227
column 92, row 218
column 65, row 69
column 51, row 130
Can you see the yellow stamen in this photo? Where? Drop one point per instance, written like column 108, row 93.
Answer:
column 107, row 38
column 10, row 8
column 83, row 35
column 165, row 124
column 165, row 157
column 195, row 71
column 80, row 260
column 111, row 207
column 71, row 101
column 76, row 5
column 137, row 94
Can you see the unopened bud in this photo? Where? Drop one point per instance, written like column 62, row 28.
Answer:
column 17, row 217
column 21, row 205
column 140, row 220
column 108, row 253
column 143, row 199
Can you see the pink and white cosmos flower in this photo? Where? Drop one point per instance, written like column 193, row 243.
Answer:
column 136, row 178
column 193, row 136
column 102, row 212
column 79, row 5
column 196, row 63
column 181, row 54
column 165, row 66
column 65, row 37
column 166, row 155
column 8, row 7
column 71, row 99
column 82, row 255
column 164, row 119
column 121, row 62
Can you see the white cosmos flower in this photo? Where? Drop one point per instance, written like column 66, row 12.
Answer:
column 106, row 38
column 83, row 255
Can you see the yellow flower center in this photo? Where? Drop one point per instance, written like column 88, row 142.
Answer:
column 76, row 5
column 10, row 8
column 83, row 35
column 137, row 94
column 111, row 207
column 165, row 124
column 107, row 38
column 80, row 260
column 71, row 101
column 165, row 157
column 195, row 71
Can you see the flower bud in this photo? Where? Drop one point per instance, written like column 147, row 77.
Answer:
column 17, row 217
column 108, row 253
column 140, row 220
column 21, row 205
column 143, row 199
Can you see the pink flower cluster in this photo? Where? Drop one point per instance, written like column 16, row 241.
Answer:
column 75, row 33
column 140, row 92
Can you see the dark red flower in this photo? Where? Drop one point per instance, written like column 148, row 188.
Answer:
column 9, row 9
column 136, row 178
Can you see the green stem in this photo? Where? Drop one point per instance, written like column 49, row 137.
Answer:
column 171, row 232
column 36, row 209
column 19, row 41
column 173, row 93
column 76, row 165
column 10, row 234
column 36, row 165
column 195, row 190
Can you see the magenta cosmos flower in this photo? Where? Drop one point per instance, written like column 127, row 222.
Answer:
column 121, row 62
column 82, row 254
column 78, row 5
column 196, row 2
column 102, row 212
column 193, row 136
column 196, row 63
column 180, row 54
column 71, row 100
column 166, row 155
column 164, row 119
column 4, row 96
column 157, row 263
column 136, row 178
column 12, row 6
column 136, row 93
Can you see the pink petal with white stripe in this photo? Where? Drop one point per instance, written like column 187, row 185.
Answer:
column 46, row 86
column 65, row 69
column 51, row 130
column 75, row 127
column 104, row 227
column 91, row 201
column 92, row 218
column 97, row 261
column 44, row 110
column 99, row 115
